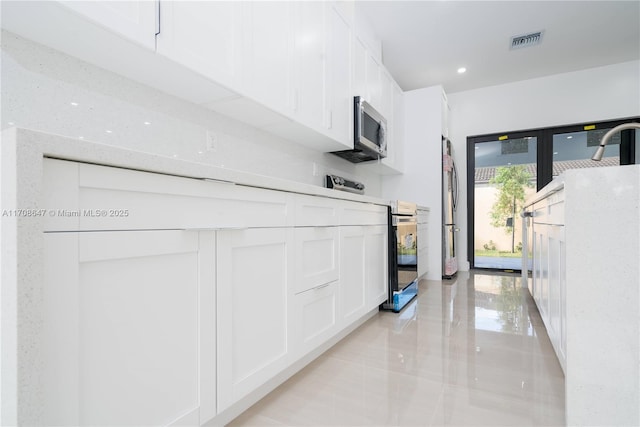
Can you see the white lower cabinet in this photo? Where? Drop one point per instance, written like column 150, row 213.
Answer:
column 254, row 276
column 314, row 295
column 316, row 261
column 376, row 261
column 315, row 317
column 129, row 328
column 175, row 325
column 548, row 286
column 352, row 273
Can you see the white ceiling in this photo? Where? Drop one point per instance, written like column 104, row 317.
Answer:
column 425, row 42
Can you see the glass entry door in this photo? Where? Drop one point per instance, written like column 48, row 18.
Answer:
column 504, row 176
column 504, row 170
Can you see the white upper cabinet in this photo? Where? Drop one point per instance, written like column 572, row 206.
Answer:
column 309, row 63
column 374, row 86
column 398, row 128
column 267, row 53
column 386, row 86
column 204, row 36
column 134, row 20
column 367, row 74
column 392, row 108
column 359, row 67
column 393, row 102
column 339, row 116
column 290, row 68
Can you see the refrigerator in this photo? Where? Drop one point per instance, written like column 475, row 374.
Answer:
column 449, row 205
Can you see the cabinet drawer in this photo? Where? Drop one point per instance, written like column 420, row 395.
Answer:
column 355, row 213
column 315, row 317
column 550, row 210
column 316, row 211
column 316, row 253
column 91, row 197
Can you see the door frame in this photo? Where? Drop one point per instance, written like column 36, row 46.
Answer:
column 544, row 160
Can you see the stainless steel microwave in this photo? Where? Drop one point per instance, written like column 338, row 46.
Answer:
column 369, row 134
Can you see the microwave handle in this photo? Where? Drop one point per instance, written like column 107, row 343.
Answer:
column 382, row 133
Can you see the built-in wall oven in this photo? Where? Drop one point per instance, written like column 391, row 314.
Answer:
column 403, row 255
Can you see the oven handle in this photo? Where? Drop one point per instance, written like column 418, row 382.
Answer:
column 397, row 220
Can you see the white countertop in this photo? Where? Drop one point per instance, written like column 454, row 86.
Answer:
column 55, row 146
column 554, row 186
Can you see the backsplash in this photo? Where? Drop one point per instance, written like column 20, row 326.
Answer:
column 48, row 91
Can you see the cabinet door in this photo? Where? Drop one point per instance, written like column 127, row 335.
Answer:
column 374, row 86
column 254, row 277
column 395, row 144
column 359, row 83
column 315, row 318
column 267, row 52
column 352, row 273
column 557, row 279
column 129, row 328
column 537, row 265
column 309, row 63
column 386, row 97
column 543, row 305
column 316, row 253
column 339, row 118
column 377, row 262
column 205, row 37
column 134, row 20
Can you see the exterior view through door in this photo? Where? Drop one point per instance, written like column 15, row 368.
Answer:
column 505, row 175
column 505, row 169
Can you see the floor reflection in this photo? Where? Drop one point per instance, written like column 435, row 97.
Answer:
column 468, row 351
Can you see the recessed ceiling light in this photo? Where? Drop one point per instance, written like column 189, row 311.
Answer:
column 109, row 131
column 555, row 152
column 462, row 70
column 11, row 123
column 147, row 123
column 569, row 137
column 75, row 104
column 81, row 137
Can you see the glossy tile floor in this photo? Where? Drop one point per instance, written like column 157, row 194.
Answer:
column 471, row 351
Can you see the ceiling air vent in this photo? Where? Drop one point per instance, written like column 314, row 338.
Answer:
column 526, row 40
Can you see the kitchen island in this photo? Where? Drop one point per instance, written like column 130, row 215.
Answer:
column 586, row 284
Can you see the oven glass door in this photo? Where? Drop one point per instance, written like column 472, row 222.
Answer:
column 407, row 250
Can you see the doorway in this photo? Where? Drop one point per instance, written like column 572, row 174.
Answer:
column 504, row 177
column 505, row 169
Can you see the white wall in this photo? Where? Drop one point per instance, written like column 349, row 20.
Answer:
column 422, row 181
column 39, row 84
column 596, row 94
